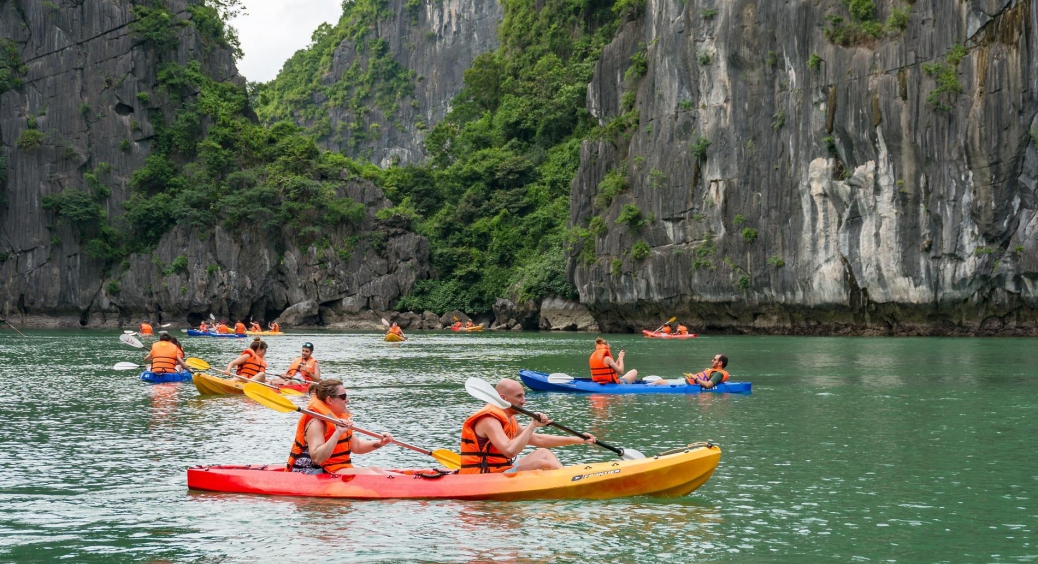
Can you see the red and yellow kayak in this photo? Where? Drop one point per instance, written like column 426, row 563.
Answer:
column 674, row 473
column 394, row 338
column 474, row 328
column 655, row 335
column 265, row 333
column 212, row 385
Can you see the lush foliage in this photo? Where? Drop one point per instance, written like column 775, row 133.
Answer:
column 946, row 75
column 11, row 67
column 863, row 26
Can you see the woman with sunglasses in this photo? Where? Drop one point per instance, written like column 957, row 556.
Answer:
column 322, row 447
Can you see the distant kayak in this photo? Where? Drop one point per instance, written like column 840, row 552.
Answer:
column 394, row 338
column 197, row 333
column 267, row 333
column 539, row 381
column 474, row 328
column 655, row 335
column 212, row 385
column 163, row 377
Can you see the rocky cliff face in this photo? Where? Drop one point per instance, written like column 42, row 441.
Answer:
column 87, row 100
column 433, row 41
column 779, row 181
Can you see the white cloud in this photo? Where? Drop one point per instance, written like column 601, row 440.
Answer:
column 275, row 29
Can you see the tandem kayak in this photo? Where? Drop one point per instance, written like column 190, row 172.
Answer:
column 539, row 381
column 265, row 333
column 163, row 377
column 394, row 338
column 655, row 335
column 472, row 329
column 212, row 385
column 197, row 333
column 673, row 473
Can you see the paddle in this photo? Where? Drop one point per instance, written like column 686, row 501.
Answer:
column 164, row 325
column 481, row 390
column 282, row 391
column 671, row 320
column 195, row 364
column 131, row 340
column 125, row 366
column 262, row 396
column 13, row 327
column 129, row 332
column 561, row 378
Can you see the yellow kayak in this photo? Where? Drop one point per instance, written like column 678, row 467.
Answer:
column 394, row 338
column 264, row 332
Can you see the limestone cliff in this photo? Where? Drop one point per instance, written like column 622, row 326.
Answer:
column 762, row 170
column 84, row 114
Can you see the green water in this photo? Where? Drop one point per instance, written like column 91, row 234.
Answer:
column 849, row 449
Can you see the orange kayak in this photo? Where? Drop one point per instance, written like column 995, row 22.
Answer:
column 674, row 473
column 653, row 335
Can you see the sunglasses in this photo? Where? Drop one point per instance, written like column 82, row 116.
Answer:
column 340, row 396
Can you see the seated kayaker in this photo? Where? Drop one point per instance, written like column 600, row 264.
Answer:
column 605, row 370
column 665, row 330
column 321, row 447
column 239, row 328
column 469, row 324
column 165, row 356
column 396, row 330
column 304, row 368
column 274, row 327
column 203, row 327
column 682, row 330
column 146, row 329
column 180, row 348
column 255, row 327
column 457, row 325
column 707, row 378
column 251, row 363
column 491, row 438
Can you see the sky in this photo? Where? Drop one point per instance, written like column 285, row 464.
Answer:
column 275, row 29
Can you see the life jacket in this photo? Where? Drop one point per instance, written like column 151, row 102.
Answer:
column 221, row 328
column 682, row 330
column 275, row 327
column 239, row 328
column 599, row 371
column 255, row 327
column 478, row 454
column 469, row 324
column 340, row 457
column 164, row 357
column 146, row 329
column 396, row 331
column 307, row 369
column 254, row 365
column 666, row 329
column 705, row 375
column 203, row 327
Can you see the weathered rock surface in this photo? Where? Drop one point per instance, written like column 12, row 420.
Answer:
column 565, row 315
column 85, row 73
column 829, row 200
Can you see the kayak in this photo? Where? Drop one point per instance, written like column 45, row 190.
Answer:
column 394, row 338
column 654, row 335
column 468, row 329
column 538, row 381
column 267, row 333
column 670, row 474
column 197, row 333
column 213, row 385
column 163, row 377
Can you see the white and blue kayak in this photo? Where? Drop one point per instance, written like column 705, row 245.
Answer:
column 539, row 381
column 163, row 377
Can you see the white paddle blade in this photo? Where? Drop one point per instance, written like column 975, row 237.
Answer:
column 631, row 454
column 384, row 322
column 213, row 317
column 485, row 392
column 652, row 378
column 132, row 341
column 164, row 325
column 559, row 378
column 125, row 366
column 128, row 332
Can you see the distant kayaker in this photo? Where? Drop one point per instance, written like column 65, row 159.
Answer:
column 251, row 363
column 203, row 327
column 239, row 328
column 321, row 447
column 396, row 330
column 707, row 378
column 457, row 325
column 469, row 324
column 165, row 356
column 682, row 330
column 146, row 329
column 305, row 367
column 491, row 438
column 274, row 327
column 605, row 370
column 255, row 327
column 665, row 330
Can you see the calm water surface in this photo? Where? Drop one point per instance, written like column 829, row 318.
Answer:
column 849, row 449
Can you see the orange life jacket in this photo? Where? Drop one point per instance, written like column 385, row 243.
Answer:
column 457, row 324
column 203, row 327
column 164, row 357
column 275, row 327
column 396, row 331
column 254, row 365
column 239, row 328
column 705, row 375
column 146, row 329
column 221, row 328
column 340, row 457
column 307, row 369
column 682, row 330
column 599, row 371
column 478, row 455
column 255, row 327
column 666, row 329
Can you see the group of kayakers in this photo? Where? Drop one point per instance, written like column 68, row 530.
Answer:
column 679, row 329
column 607, row 370
column 239, row 328
column 251, row 364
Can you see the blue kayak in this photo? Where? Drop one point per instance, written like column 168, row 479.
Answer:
column 163, row 377
column 197, row 333
column 538, row 381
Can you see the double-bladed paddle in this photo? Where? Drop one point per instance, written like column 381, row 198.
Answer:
column 481, row 390
column 13, row 327
column 194, row 364
column 671, row 320
column 265, row 397
column 129, row 339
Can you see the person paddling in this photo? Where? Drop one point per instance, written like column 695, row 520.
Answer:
column 305, row 367
column 239, row 328
column 396, row 330
column 491, row 438
column 707, row 378
column 605, row 370
column 203, row 327
column 274, row 327
column 321, row 447
column 251, row 364
column 146, row 329
column 682, row 330
column 255, row 327
column 165, row 356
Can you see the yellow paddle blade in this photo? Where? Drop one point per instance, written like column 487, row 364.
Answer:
column 290, row 392
column 196, row 364
column 671, row 320
column 449, row 459
column 268, row 397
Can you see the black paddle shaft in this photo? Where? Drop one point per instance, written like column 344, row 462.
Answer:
column 618, row 451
